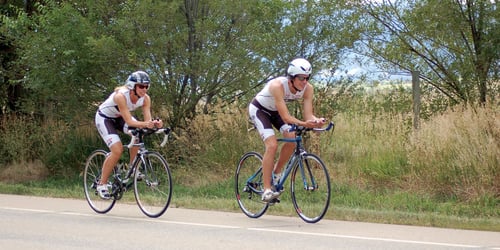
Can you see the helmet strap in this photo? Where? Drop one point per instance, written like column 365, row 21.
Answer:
column 293, row 85
column 135, row 93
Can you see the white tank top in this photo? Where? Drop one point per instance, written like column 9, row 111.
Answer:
column 266, row 99
column 110, row 109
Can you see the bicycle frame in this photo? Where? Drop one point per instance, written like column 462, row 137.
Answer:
column 152, row 188
column 310, row 193
column 127, row 180
column 293, row 161
column 137, row 140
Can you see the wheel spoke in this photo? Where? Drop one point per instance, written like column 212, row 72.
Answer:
column 249, row 185
column 310, row 187
column 154, row 191
column 91, row 177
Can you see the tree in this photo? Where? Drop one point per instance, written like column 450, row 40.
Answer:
column 10, row 86
column 197, row 52
column 454, row 43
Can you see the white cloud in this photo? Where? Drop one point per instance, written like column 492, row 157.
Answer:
column 355, row 71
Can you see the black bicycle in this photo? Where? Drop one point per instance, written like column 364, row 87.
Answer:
column 149, row 175
column 309, row 182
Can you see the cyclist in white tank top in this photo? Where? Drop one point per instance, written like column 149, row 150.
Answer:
column 115, row 114
column 110, row 109
column 268, row 109
column 267, row 100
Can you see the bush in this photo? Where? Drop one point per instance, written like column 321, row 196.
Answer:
column 69, row 147
column 21, row 139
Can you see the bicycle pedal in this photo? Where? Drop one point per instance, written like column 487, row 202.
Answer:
column 274, row 201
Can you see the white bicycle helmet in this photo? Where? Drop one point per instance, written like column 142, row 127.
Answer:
column 299, row 66
column 138, row 77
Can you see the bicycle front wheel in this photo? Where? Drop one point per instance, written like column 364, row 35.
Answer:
column 249, row 185
column 152, row 184
column 310, row 188
column 91, row 177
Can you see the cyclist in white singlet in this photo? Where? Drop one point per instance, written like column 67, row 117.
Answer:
column 268, row 109
column 114, row 115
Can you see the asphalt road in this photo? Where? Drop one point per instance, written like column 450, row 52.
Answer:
column 46, row 223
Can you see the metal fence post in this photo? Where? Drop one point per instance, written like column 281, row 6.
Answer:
column 415, row 80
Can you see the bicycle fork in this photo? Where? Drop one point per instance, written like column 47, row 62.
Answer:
column 304, row 175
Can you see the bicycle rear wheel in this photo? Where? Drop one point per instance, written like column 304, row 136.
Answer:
column 91, row 177
column 153, row 191
column 249, row 185
column 310, row 188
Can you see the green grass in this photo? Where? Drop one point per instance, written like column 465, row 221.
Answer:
column 346, row 204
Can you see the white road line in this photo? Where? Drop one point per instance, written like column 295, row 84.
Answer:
column 253, row 228
column 365, row 238
column 123, row 218
column 29, row 210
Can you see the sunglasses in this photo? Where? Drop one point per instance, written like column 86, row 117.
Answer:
column 302, row 78
column 142, row 86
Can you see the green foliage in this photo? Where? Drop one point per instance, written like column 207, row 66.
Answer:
column 218, row 50
column 205, row 53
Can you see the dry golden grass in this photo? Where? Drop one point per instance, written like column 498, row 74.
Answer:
column 377, row 163
column 24, row 172
column 212, row 145
column 457, row 154
column 366, row 150
column 453, row 156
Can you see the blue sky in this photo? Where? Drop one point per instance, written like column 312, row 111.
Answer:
column 351, row 67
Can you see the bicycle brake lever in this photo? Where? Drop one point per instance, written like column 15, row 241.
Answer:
column 165, row 139
column 331, row 125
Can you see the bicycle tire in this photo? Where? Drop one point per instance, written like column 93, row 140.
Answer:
column 311, row 202
column 154, row 191
column 249, row 172
column 91, row 177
